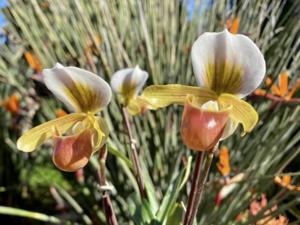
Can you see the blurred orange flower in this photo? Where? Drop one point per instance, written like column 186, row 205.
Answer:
column 282, row 89
column 224, row 162
column 285, row 181
column 232, row 24
column 12, row 104
column 60, row 113
column 33, row 61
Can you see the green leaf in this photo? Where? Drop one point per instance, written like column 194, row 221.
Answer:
column 29, row 214
column 144, row 214
column 175, row 215
column 119, row 154
column 170, row 198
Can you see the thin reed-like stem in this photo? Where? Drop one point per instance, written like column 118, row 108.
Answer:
column 197, row 192
column 111, row 218
column 195, row 181
column 134, row 155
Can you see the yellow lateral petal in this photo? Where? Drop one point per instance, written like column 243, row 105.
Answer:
column 101, row 132
column 134, row 107
column 139, row 105
column 163, row 95
column 242, row 111
column 36, row 136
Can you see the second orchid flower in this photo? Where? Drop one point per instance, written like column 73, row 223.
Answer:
column 78, row 135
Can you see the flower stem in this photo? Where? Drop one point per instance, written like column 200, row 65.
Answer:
column 197, row 191
column 134, row 154
column 106, row 201
column 195, row 181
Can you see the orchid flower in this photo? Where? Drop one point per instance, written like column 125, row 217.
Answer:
column 227, row 68
column 127, row 83
column 85, row 94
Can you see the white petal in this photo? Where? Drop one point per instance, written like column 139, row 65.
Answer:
column 228, row 63
column 128, row 82
column 80, row 90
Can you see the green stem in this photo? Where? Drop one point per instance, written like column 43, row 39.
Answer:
column 29, row 214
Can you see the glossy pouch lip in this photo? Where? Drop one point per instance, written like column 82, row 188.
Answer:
column 72, row 152
column 201, row 129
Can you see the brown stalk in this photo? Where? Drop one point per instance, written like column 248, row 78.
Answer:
column 111, row 218
column 199, row 180
column 195, row 181
column 134, row 154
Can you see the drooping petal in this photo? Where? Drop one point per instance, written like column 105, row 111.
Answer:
column 72, row 152
column 79, row 89
column 201, row 129
column 163, row 95
column 128, row 82
column 36, row 136
column 100, row 132
column 134, row 107
column 241, row 112
column 139, row 105
column 227, row 63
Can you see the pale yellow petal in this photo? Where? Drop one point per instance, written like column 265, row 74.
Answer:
column 163, row 95
column 36, row 136
column 242, row 111
column 134, row 107
column 139, row 105
column 101, row 132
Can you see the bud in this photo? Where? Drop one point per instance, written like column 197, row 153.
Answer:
column 72, row 152
column 202, row 127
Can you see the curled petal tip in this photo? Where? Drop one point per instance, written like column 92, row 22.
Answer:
column 72, row 152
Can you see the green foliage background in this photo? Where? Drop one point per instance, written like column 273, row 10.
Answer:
column 157, row 36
